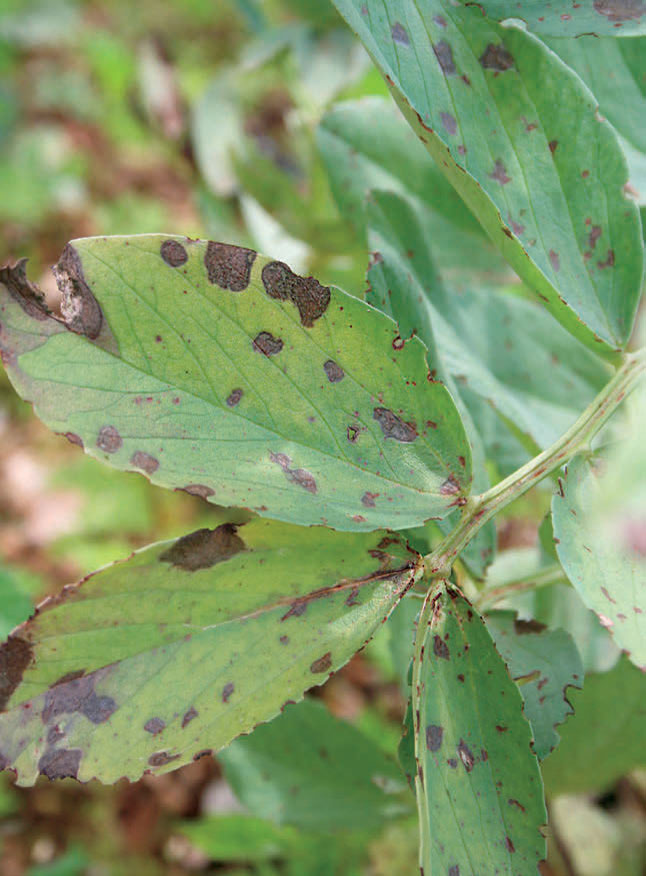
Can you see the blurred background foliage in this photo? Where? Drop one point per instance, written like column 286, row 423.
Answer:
column 201, row 117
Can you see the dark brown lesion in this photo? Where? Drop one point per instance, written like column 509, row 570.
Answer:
column 80, row 310
column 27, row 294
column 299, row 476
column 109, row 440
column 394, row 427
column 333, row 371
column 173, row 253
column 15, row 656
column 60, row 763
column 228, row 266
column 496, row 57
column 144, row 461
column 78, row 695
column 267, row 344
column 204, row 548
column 306, row 293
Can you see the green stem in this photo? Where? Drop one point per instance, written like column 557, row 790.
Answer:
column 480, row 509
column 543, row 578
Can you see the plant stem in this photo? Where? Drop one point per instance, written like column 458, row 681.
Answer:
column 480, row 509
column 542, row 578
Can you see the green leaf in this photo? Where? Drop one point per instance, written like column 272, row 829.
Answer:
column 605, row 563
column 15, row 604
column 358, row 162
column 313, row 771
column 617, row 18
column 504, row 119
column 544, row 663
column 217, row 371
column 188, row 644
column 498, row 345
column 239, row 838
column 478, row 785
column 605, row 738
column 615, row 71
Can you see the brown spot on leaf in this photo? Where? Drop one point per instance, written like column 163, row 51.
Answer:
column 444, row 55
column 322, row 664
column 400, row 34
column 296, row 609
column 434, row 735
column 109, row 440
column 454, row 870
column 449, row 122
column 154, row 725
column 620, row 10
column 76, row 694
column 161, row 758
column 267, row 344
column 352, row 597
column 450, row 487
column 310, row 298
column 15, row 657
column 368, row 499
column 144, row 461
column 60, row 763
column 204, row 548
column 189, row 716
column 228, row 266
column 234, row 398
column 496, row 57
column 594, row 236
column 80, row 310
column 333, row 371
column 227, row 690
column 73, row 438
column 173, row 253
column 554, row 260
column 553, row 144
column 453, row 763
column 440, row 648
column 524, row 627
column 509, row 844
column 466, row 755
column 28, row 295
column 609, row 262
column 198, row 490
column 516, row 804
column 352, row 433
column 299, row 476
column 499, row 173
column 393, row 426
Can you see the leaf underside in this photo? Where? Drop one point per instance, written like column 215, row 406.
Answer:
column 215, row 370
column 174, row 652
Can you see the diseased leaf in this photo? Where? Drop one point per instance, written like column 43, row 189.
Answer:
column 149, row 662
column 615, row 71
column 478, row 785
column 508, row 124
column 314, row 771
column 214, row 370
column 605, row 738
column 544, row 663
column 616, row 18
column 605, row 563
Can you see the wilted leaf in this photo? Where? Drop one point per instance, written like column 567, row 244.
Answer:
column 605, row 737
column 220, row 372
column 311, row 770
column 544, row 663
column 508, row 124
column 188, row 644
column 478, row 785
column 606, row 565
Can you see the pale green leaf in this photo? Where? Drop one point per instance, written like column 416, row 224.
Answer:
column 478, row 785
column 215, row 370
column 606, row 563
column 605, row 737
column 545, row 664
column 188, row 644
column 617, row 18
column 314, row 771
column 510, row 126
column 236, row 837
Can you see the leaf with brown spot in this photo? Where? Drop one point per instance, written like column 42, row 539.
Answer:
column 231, row 391
column 149, row 661
column 470, row 770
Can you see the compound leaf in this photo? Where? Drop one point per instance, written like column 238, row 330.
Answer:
column 212, row 369
column 188, row 644
column 605, row 563
column 478, row 785
column 507, row 123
